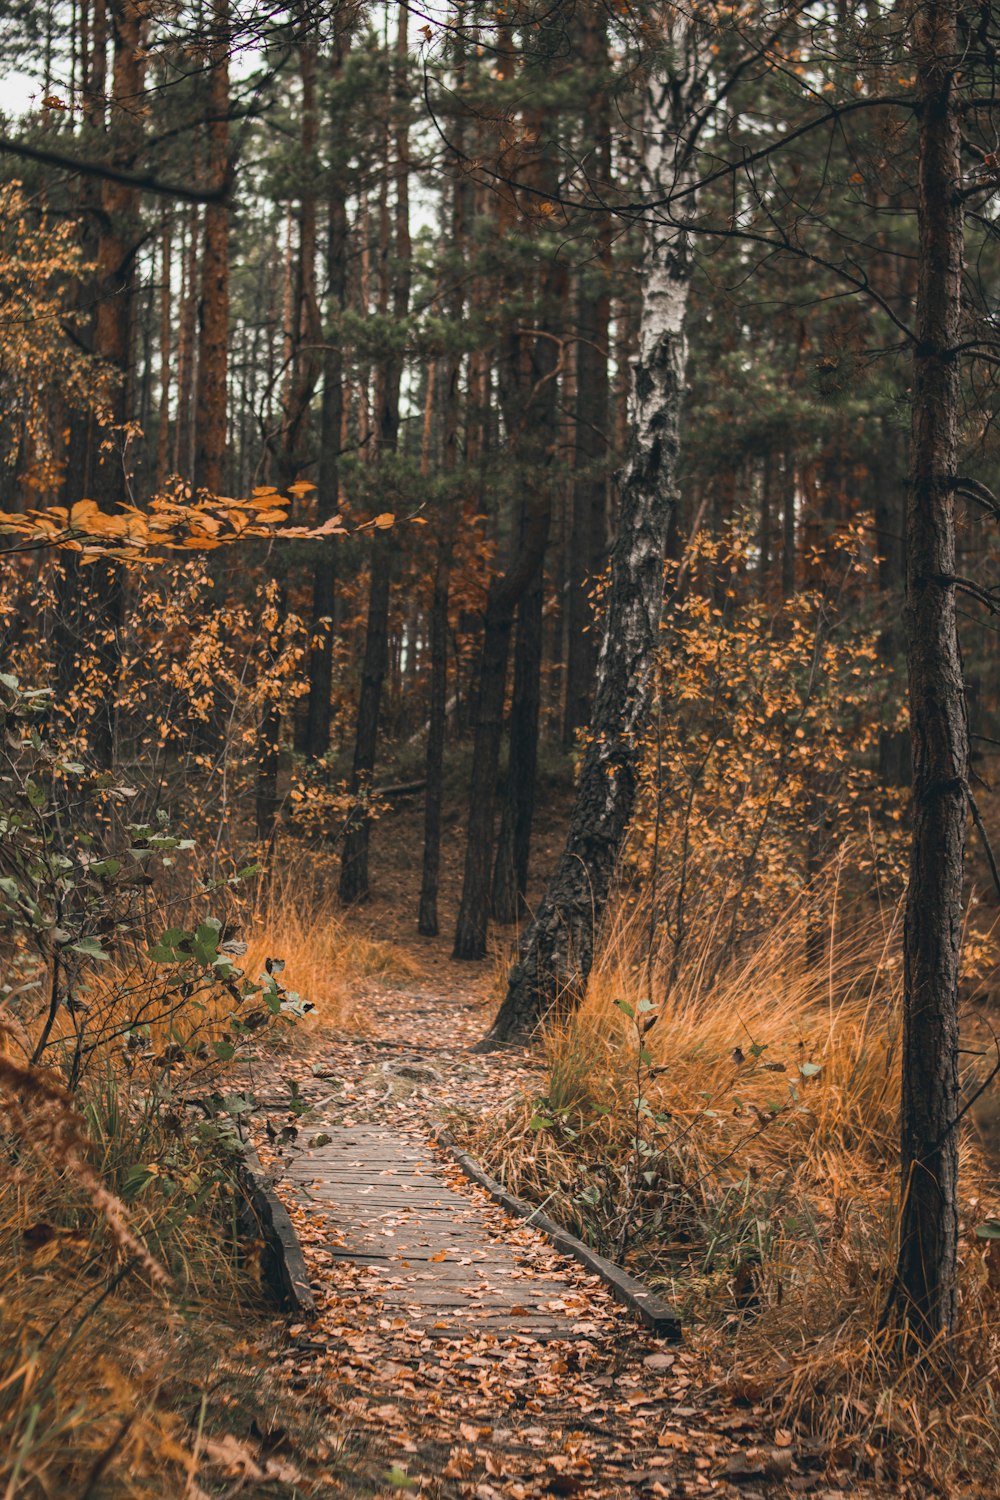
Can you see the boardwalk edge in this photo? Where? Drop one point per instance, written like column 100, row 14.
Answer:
column 284, row 1265
column 657, row 1314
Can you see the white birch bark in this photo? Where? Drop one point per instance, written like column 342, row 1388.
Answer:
column 556, row 953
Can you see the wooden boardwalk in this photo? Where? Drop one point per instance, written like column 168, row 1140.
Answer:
column 445, row 1260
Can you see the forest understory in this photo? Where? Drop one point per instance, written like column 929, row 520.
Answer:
column 498, row 630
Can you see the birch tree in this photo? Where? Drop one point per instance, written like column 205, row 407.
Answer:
column 557, row 951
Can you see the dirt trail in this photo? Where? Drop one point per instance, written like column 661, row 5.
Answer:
column 459, row 1353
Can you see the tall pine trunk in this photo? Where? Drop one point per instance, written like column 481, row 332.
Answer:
column 354, row 876
column 924, row 1297
column 316, row 738
column 211, row 406
column 590, row 482
column 303, row 335
column 556, row 952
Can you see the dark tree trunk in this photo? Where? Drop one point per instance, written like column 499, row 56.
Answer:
column 427, row 917
column 557, row 951
column 505, row 593
column 354, row 859
column 510, row 875
column 924, row 1297
column 588, row 538
column 354, row 880
column 474, row 911
column 302, row 377
column 316, row 739
column 118, row 237
column 211, row 406
column 788, row 528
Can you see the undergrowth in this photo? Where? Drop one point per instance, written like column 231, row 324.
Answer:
column 732, row 1137
column 137, row 999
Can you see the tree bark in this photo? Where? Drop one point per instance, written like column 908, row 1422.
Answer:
column 924, row 1297
column 590, row 481
column 427, row 916
column 556, row 953
column 505, row 591
column 211, row 405
column 354, row 878
column 510, row 873
column 303, row 372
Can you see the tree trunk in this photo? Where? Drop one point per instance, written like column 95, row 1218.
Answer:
column 590, row 481
column 474, row 911
column 354, row 880
column 427, row 917
column 510, row 874
column 303, row 334
column 557, row 951
column 211, row 406
column 166, row 325
column 354, row 859
column 924, row 1297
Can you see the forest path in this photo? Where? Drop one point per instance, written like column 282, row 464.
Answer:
column 458, row 1352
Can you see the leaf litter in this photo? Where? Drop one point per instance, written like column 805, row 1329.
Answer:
column 492, row 1366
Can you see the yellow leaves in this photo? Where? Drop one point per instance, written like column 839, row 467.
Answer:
column 173, row 521
column 384, row 521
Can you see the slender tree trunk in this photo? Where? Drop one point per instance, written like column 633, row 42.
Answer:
column 317, row 729
column 166, row 325
column 117, row 243
column 427, row 916
column 590, row 481
column 510, row 875
column 303, row 373
column 211, row 407
column 354, row 879
column 354, row 859
column 924, row 1297
column 788, row 527
column 557, row 951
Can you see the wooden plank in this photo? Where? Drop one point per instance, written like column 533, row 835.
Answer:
column 657, row 1314
column 284, row 1263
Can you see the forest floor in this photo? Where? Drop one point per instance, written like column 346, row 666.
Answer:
column 492, row 1367
column 574, row 1397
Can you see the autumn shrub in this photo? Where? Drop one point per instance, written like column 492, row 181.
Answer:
column 761, row 758
column 122, row 1007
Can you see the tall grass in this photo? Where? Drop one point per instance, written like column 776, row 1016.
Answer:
column 743, row 1157
column 327, row 960
column 124, row 1286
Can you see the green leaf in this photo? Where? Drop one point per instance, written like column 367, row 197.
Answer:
column 540, row 1122
column 90, row 947
column 206, row 940
column 626, row 1009
column 399, row 1479
column 809, row 1070
column 173, row 948
column 224, row 1050
column 988, row 1231
column 645, row 1057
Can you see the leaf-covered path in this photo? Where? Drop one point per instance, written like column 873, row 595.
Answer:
column 458, row 1354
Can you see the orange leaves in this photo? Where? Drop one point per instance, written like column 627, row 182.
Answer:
column 172, row 522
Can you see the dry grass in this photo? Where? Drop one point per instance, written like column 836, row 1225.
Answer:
column 757, row 1184
column 327, row 961
column 111, row 1384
